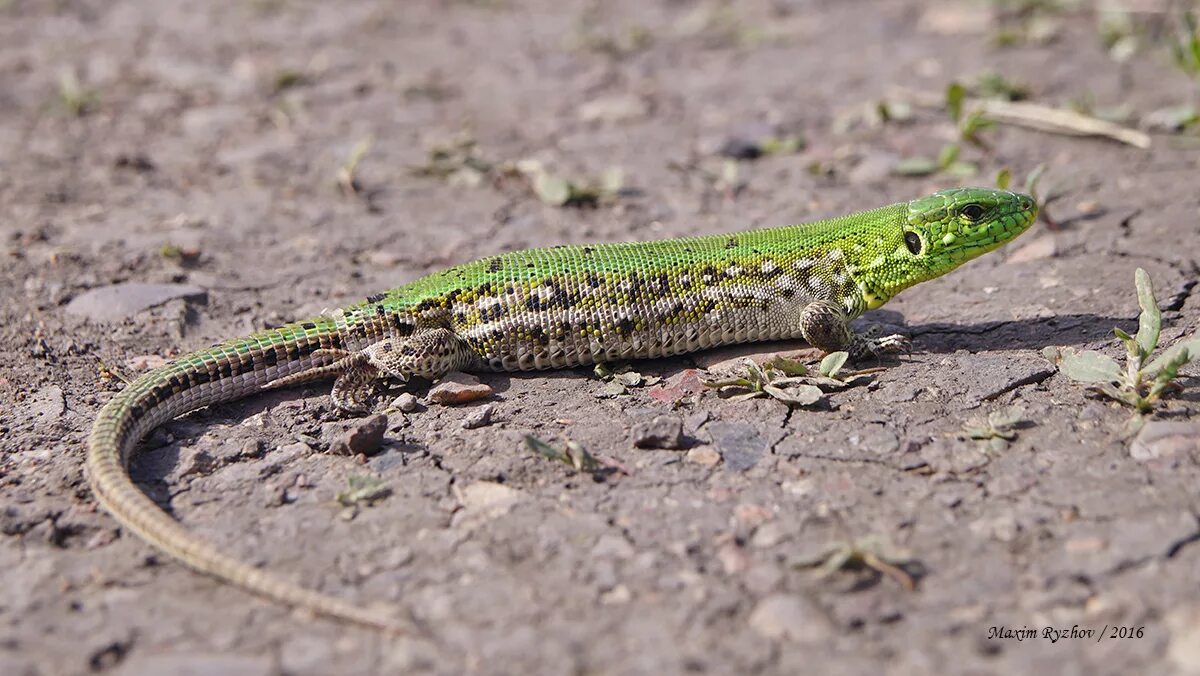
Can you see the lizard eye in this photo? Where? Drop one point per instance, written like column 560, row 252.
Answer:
column 972, row 212
column 913, row 242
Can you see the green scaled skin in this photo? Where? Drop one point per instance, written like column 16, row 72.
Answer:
column 551, row 308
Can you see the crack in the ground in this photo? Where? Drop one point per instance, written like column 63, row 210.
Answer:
column 1030, row 379
column 1176, row 301
column 859, row 461
column 1184, row 541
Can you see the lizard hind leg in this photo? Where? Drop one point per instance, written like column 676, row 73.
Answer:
column 361, row 375
column 427, row 354
column 356, row 379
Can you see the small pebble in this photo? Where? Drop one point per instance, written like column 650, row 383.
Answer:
column 1163, row 439
column 117, row 301
column 703, row 456
column 665, row 431
column 791, row 617
column 458, row 388
column 364, row 438
column 480, row 418
column 406, row 402
column 253, row 448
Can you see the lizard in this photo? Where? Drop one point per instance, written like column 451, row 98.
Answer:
column 552, row 308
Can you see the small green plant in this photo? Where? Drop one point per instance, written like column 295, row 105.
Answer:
column 570, row 454
column 829, row 375
column 558, row 191
column 720, row 26
column 970, row 122
column 875, row 552
column 73, row 95
column 179, row 254
column 1186, row 49
column 947, row 162
column 1144, row 381
column 1003, row 178
column 363, row 490
column 784, row 384
column 288, row 78
column 619, row 377
column 577, row 457
column 999, row 428
column 347, row 174
column 991, row 85
column 790, row 381
column 1028, row 21
column 457, row 161
column 1118, row 33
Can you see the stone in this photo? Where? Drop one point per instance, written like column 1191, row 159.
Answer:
column 458, row 388
column 406, row 402
column 118, row 301
column 664, row 431
column 791, row 617
column 703, row 456
column 618, row 595
column 365, row 437
column 482, row 417
column 618, row 108
column 739, row 444
column 483, row 501
column 1164, row 439
column 677, row 387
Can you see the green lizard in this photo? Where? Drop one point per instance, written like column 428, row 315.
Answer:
column 551, row 308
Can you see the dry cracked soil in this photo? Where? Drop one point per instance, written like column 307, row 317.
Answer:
column 175, row 173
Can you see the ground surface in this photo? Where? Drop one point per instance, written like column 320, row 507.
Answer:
column 207, row 155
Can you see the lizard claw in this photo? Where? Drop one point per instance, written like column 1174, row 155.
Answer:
column 893, row 344
column 870, row 346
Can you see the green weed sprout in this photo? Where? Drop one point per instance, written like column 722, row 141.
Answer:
column 1144, row 381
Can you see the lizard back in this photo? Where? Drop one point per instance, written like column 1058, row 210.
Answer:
column 571, row 305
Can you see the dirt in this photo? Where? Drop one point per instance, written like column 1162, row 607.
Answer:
column 206, row 154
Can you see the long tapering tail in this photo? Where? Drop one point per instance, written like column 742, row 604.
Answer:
column 221, row 373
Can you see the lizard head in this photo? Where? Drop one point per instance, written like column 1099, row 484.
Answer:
column 939, row 233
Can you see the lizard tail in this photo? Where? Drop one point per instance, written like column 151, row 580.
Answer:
column 221, row 373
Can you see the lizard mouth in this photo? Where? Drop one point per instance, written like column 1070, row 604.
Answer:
column 1028, row 209
column 1000, row 229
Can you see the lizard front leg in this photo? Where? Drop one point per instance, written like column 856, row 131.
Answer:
column 826, row 326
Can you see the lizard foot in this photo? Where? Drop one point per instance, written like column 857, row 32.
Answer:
column 427, row 354
column 355, row 388
column 874, row 346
